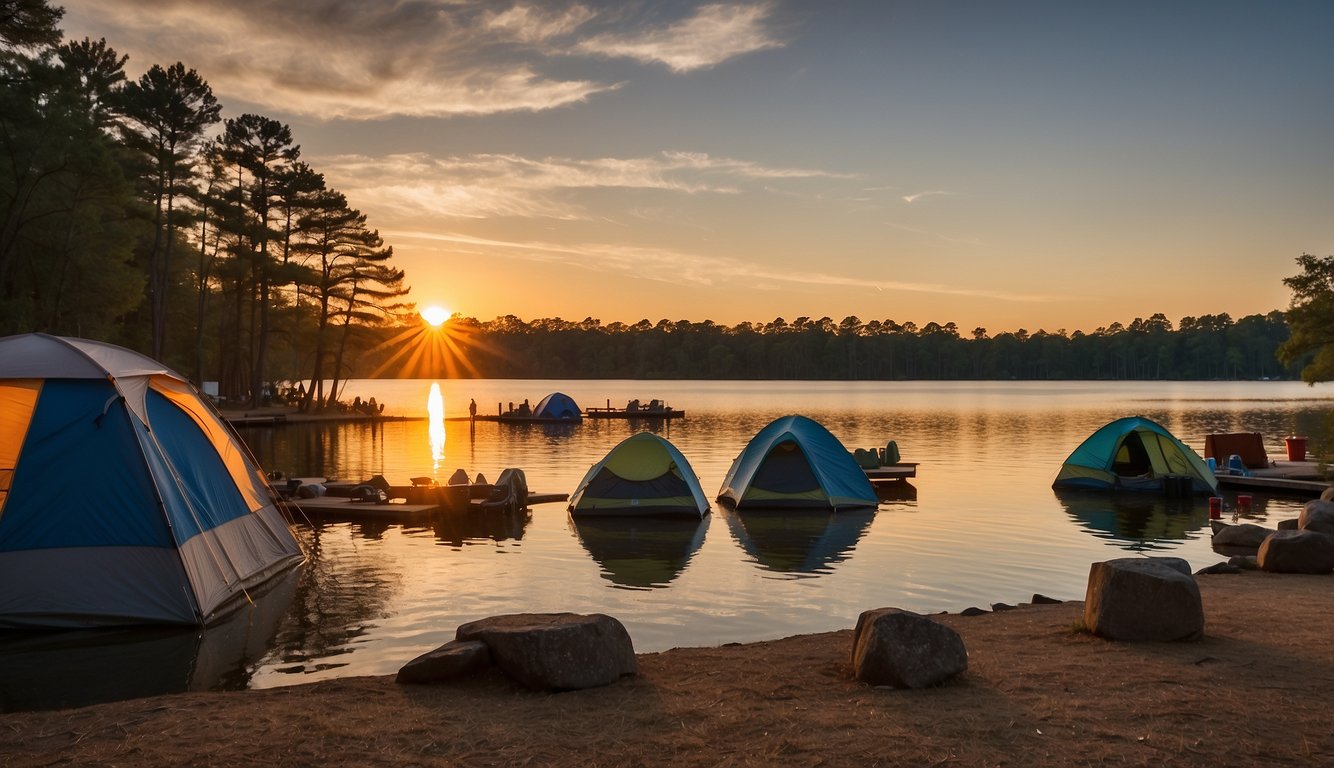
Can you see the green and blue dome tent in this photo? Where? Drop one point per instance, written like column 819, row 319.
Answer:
column 643, row 475
column 124, row 498
column 795, row 462
column 557, row 406
column 1135, row 453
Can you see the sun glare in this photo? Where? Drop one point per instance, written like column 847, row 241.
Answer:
column 435, row 315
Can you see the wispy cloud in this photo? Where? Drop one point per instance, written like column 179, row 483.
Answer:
column 334, row 59
column 914, row 197
column 353, row 60
column 485, row 185
column 675, row 267
column 714, row 34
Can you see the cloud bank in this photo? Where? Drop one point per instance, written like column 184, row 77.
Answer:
column 418, row 58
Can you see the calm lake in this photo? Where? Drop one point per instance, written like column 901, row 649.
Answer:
column 980, row 524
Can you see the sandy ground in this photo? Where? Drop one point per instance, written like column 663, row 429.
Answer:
column 1255, row 691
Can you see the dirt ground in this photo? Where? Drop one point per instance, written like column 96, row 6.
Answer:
column 1257, row 690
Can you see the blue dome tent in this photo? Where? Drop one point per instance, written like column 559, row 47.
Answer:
column 557, row 406
column 796, row 462
column 124, row 498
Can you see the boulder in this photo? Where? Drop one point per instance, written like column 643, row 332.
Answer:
column 1327, row 494
column 1040, row 599
column 1247, row 535
column 1317, row 516
column 1244, row 562
column 1143, row 598
column 454, row 659
column 905, row 650
column 974, row 611
column 1297, row 552
column 1220, row 568
column 556, row 651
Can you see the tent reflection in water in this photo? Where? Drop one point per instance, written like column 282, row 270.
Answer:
column 1136, row 521
column 1136, row 454
column 124, row 498
column 643, row 475
column 641, row 552
column 798, row 541
column 795, row 463
column 77, row 668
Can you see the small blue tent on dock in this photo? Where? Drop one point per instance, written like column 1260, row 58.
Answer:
column 557, row 406
column 1135, row 453
column 124, row 498
column 796, row 463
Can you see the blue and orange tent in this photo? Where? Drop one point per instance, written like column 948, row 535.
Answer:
column 124, row 498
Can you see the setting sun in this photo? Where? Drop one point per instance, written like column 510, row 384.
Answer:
column 435, row 315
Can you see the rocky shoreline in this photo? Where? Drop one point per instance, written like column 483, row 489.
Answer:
column 1038, row 691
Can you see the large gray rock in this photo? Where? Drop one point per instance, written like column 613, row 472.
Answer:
column 556, row 651
column 1297, row 552
column 1143, row 598
column 1327, row 494
column 1248, row 535
column 1317, row 516
column 905, row 650
column 454, row 659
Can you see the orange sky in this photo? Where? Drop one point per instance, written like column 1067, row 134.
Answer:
column 1033, row 165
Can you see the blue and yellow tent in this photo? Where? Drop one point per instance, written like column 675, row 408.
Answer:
column 124, row 498
column 796, row 463
column 643, row 475
column 1135, row 453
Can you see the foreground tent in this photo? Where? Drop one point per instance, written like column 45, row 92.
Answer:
column 795, row 462
column 124, row 499
column 557, row 406
column 643, row 475
column 1136, row 453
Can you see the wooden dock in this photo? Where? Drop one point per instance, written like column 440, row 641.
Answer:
column 514, row 418
column 1298, row 478
column 342, row 508
column 903, row 470
column 641, row 413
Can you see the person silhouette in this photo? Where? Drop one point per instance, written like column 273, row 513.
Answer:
column 472, row 409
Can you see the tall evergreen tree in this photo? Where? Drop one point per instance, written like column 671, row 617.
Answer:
column 263, row 148
column 170, row 109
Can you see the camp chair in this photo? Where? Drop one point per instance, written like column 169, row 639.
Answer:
column 866, row 459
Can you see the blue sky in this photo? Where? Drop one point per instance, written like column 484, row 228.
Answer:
column 1004, row 165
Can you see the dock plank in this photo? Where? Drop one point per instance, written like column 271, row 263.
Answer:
column 903, row 470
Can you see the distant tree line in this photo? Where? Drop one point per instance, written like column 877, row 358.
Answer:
column 1206, row 347
column 129, row 212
